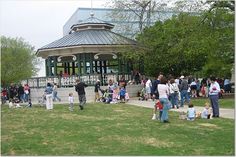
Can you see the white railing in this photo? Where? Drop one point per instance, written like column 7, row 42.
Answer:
column 41, row 82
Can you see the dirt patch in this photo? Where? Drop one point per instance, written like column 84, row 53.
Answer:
column 209, row 125
column 155, row 142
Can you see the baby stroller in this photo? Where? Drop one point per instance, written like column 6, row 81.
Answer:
column 42, row 100
column 142, row 95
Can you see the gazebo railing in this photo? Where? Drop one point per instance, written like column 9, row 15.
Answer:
column 70, row 81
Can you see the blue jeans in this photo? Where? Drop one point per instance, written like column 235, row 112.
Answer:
column 184, row 95
column 22, row 97
column 164, row 102
column 215, row 104
column 174, row 99
column 55, row 96
column 26, row 97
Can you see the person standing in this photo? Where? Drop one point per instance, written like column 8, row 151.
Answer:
column 163, row 90
column 55, row 92
column 148, row 86
column 21, row 93
column 183, row 88
column 71, row 101
column 214, row 96
column 48, row 91
column 96, row 88
column 174, row 93
column 79, row 88
column 12, row 91
column 26, row 92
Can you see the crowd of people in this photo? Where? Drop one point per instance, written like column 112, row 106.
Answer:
column 169, row 92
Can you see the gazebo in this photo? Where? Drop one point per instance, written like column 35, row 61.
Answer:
column 91, row 51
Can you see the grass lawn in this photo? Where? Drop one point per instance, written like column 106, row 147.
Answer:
column 223, row 103
column 104, row 129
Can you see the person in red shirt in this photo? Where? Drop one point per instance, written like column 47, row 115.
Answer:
column 157, row 106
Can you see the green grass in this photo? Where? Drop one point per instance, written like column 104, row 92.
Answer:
column 223, row 103
column 103, row 129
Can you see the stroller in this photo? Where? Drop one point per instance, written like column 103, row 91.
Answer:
column 142, row 95
column 42, row 100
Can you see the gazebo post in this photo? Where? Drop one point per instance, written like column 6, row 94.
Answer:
column 49, row 66
column 91, row 63
column 84, row 63
column 55, row 65
column 78, row 64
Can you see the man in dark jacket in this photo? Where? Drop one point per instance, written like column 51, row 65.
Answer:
column 79, row 88
column 21, row 93
column 183, row 88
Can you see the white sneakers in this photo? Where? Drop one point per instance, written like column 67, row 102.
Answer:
column 154, row 117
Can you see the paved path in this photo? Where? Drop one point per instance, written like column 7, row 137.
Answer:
column 225, row 113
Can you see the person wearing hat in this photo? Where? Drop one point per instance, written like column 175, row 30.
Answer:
column 183, row 88
column 97, row 87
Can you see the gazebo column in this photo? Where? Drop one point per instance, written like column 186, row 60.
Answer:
column 49, row 66
column 119, row 64
column 46, row 66
column 91, row 63
column 78, row 65
column 55, row 65
column 84, row 63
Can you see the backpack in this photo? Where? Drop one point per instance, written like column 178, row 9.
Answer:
column 174, row 87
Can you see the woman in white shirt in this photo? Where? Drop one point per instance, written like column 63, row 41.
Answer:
column 174, row 93
column 214, row 96
column 163, row 90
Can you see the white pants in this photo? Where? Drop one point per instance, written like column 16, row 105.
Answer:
column 49, row 102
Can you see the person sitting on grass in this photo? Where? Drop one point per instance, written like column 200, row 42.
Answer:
column 191, row 112
column 206, row 113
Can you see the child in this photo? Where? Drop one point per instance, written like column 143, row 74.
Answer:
column 126, row 96
column 142, row 95
column 30, row 103
column 159, row 106
column 206, row 113
column 107, row 96
column 71, row 101
column 191, row 112
column 122, row 94
column 10, row 105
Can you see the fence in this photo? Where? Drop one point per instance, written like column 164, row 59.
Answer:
column 41, row 82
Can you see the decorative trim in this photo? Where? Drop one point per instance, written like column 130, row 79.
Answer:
column 114, row 56
column 74, row 57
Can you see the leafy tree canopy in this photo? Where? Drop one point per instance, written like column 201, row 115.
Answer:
column 18, row 60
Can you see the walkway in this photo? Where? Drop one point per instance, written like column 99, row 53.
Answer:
column 225, row 113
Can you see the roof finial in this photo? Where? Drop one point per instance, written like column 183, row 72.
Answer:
column 91, row 13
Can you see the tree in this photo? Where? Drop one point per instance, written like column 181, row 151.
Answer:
column 175, row 46
column 220, row 22
column 18, row 60
column 137, row 12
column 184, row 45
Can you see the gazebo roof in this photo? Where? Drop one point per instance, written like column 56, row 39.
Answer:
column 90, row 37
column 85, row 37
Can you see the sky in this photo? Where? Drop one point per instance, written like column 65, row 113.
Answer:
column 39, row 22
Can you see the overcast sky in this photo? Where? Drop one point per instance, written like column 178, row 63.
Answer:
column 39, row 22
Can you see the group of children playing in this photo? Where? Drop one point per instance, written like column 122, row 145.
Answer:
column 190, row 115
column 114, row 96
